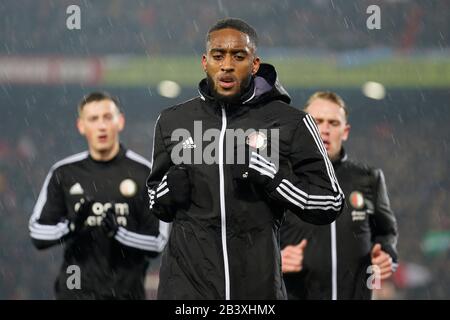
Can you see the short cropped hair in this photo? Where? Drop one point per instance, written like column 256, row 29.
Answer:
column 97, row 96
column 329, row 96
column 236, row 24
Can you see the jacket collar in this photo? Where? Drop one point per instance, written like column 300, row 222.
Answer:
column 118, row 156
column 342, row 158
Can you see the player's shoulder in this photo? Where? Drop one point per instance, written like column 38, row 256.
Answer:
column 137, row 159
column 69, row 161
column 362, row 167
column 282, row 107
column 179, row 109
column 285, row 111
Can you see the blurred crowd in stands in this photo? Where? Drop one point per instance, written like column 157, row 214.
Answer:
column 179, row 27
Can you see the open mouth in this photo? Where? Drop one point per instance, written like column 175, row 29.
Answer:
column 103, row 138
column 227, row 82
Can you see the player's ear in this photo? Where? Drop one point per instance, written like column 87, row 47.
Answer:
column 80, row 126
column 346, row 132
column 204, row 62
column 121, row 122
column 256, row 64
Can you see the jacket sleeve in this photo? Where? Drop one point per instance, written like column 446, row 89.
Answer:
column 309, row 188
column 150, row 234
column 48, row 224
column 383, row 222
column 292, row 230
column 158, row 190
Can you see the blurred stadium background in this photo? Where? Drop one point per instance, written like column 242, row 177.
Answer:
column 396, row 82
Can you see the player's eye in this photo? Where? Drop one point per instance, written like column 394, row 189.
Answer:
column 335, row 123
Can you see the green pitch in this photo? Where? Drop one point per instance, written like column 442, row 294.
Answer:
column 293, row 72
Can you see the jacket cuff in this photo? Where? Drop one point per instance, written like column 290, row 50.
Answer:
column 161, row 202
column 160, row 194
column 274, row 183
column 390, row 251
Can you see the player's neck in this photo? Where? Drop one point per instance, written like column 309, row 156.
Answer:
column 105, row 155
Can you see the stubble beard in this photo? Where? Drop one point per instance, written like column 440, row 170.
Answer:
column 232, row 99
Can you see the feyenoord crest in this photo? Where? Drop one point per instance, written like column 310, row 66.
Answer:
column 128, row 188
column 357, row 200
column 257, row 140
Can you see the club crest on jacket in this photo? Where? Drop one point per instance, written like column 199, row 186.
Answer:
column 257, row 140
column 356, row 200
column 128, row 188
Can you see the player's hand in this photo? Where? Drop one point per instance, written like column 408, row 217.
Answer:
column 256, row 167
column 179, row 186
column 382, row 260
column 109, row 222
column 292, row 257
column 83, row 211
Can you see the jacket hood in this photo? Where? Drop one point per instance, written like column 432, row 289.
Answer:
column 264, row 87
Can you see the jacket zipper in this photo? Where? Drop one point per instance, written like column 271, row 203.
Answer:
column 333, row 262
column 222, row 205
